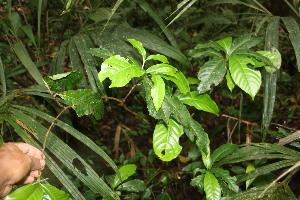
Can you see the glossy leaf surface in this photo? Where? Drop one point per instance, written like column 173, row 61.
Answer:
column 211, row 187
column 125, row 172
column 157, row 91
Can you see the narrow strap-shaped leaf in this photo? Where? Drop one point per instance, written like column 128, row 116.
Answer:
column 280, row 149
column 2, row 78
column 75, row 133
column 66, row 155
column 223, row 151
column 294, row 33
column 58, row 62
column 270, row 79
column 24, row 57
column 215, row 2
column 114, row 9
column 266, row 169
column 51, row 164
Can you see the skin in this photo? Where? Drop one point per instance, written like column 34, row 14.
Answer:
column 20, row 163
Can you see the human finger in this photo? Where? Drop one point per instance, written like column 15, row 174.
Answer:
column 35, row 164
column 30, row 150
column 28, row 179
column 35, row 173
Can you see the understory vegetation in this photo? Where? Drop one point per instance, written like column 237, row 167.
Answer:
column 136, row 99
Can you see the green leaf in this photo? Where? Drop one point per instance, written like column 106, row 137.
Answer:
column 223, row 151
column 166, row 140
column 84, row 102
column 274, row 57
column 201, row 102
column 101, row 52
column 133, row 186
column 294, row 33
column 226, row 44
column 53, row 193
column 249, row 168
column 180, row 80
column 158, row 91
column 59, row 81
column 212, row 72
column 247, row 79
column 162, row 69
column 27, row 29
column 31, row 191
column 230, row 180
column 138, row 45
column 211, row 187
column 195, row 53
column 198, row 181
column 243, row 42
column 158, row 57
column 119, row 71
column 125, row 172
column 230, row 83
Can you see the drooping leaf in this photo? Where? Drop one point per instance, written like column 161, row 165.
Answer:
column 226, row 44
column 195, row 53
column 119, row 71
column 157, row 91
column 247, row 79
column 125, row 172
column 243, row 42
column 230, row 180
column 138, row 45
column 211, row 187
column 158, row 57
column 31, row 191
column 294, row 33
column 201, row 102
column 166, row 140
column 223, row 151
column 230, row 83
column 84, row 102
column 180, row 80
column 212, row 72
column 135, row 185
column 249, row 168
column 275, row 57
column 53, row 193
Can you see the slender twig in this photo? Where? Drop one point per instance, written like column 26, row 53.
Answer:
column 53, row 96
column 244, row 121
column 52, row 124
column 133, row 87
column 282, row 175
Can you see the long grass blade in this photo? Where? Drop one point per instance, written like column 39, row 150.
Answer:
column 146, row 7
column 216, row 2
column 39, row 17
column 65, row 154
column 27, row 62
column 270, row 80
column 2, row 78
column 294, row 33
column 114, row 9
column 51, row 164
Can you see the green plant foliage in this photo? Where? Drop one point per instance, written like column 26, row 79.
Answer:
column 157, row 91
column 35, row 191
column 135, row 185
column 125, row 172
column 84, row 102
column 166, row 140
column 249, row 168
column 229, row 180
column 223, row 151
column 211, row 187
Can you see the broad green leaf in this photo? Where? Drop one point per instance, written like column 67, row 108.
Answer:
column 247, row 79
column 193, row 81
column 198, row 181
column 230, row 180
column 157, row 91
column 210, row 44
column 249, row 168
column 135, row 185
column 230, row 83
column 274, row 57
column 138, row 45
column 59, row 81
column 166, row 140
column 101, row 52
column 195, row 53
column 53, row 193
column 201, row 102
column 206, row 159
column 158, row 57
column 257, row 63
column 294, row 34
column 31, row 191
column 125, row 172
column 180, row 80
column 162, row 69
column 211, row 187
column 226, row 44
column 84, row 102
column 223, row 151
column 243, row 42
column 212, row 72
column 119, row 71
